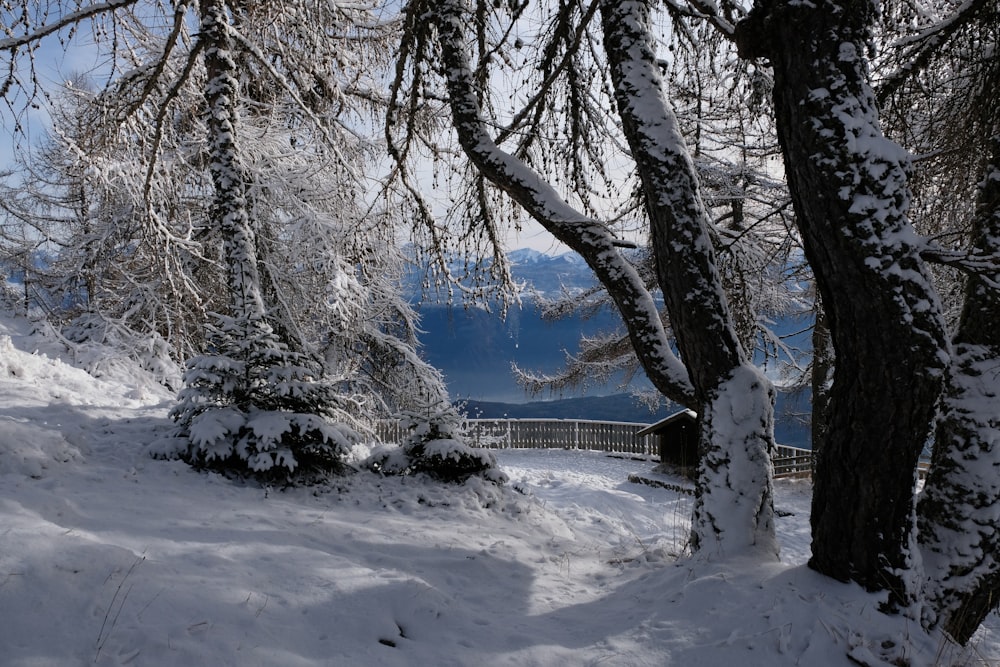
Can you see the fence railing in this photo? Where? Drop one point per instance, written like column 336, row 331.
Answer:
column 605, row 436
column 792, row 461
column 602, row 436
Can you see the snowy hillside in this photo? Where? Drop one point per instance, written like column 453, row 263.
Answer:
column 109, row 557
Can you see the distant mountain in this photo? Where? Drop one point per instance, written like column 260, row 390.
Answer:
column 550, row 275
column 546, row 274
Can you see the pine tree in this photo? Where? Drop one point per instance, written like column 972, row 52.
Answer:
column 257, row 408
column 437, row 446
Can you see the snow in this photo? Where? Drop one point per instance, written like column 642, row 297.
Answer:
column 110, row 557
column 735, row 513
column 526, row 256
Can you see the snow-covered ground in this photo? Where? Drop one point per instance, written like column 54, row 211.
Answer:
column 109, row 557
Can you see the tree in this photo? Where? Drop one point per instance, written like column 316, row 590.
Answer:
column 107, row 275
column 851, row 210
column 253, row 402
column 296, row 334
column 733, row 511
column 735, row 401
column 957, row 511
column 949, row 67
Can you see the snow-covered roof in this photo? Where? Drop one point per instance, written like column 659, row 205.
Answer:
column 663, row 423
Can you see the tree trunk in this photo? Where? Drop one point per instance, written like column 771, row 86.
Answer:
column 587, row 237
column 850, row 193
column 229, row 211
column 823, row 363
column 734, row 504
column 959, row 510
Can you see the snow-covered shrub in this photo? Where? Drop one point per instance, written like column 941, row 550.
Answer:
column 97, row 341
column 436, row 447
column 260, row 410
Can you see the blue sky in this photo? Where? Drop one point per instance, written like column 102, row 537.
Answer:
column 54, row 64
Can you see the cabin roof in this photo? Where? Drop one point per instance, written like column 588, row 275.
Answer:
column 683, row 415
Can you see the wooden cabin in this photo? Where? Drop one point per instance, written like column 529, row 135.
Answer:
column 677, row 440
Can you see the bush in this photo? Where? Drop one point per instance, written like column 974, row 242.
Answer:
column 260, row 410
column 436, row 447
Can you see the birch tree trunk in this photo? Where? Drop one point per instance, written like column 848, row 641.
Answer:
column 850, row 193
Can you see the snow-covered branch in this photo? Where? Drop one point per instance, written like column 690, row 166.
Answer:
column 587, row 236
column 918, row 50
column 35, row 34
column 704, row 9
column 986, row 267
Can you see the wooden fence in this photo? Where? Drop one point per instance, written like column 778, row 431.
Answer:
column 602, row 436
column 792, row 462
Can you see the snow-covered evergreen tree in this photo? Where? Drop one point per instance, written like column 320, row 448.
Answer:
column 436, row 445
column 255, row 407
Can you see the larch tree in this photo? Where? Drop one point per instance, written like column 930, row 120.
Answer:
column 888, row 341
column 940, row 97
column 299, row 333
column 734, row 400
column 849, row 188
column 958, row 516
column 734, row 512
column 84, row 249
column 253, row 401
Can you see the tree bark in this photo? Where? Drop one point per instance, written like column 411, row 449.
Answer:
column 734, row 504
column 959, row 510
column 823, row 363
column 229, row 212
column 850, row 193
